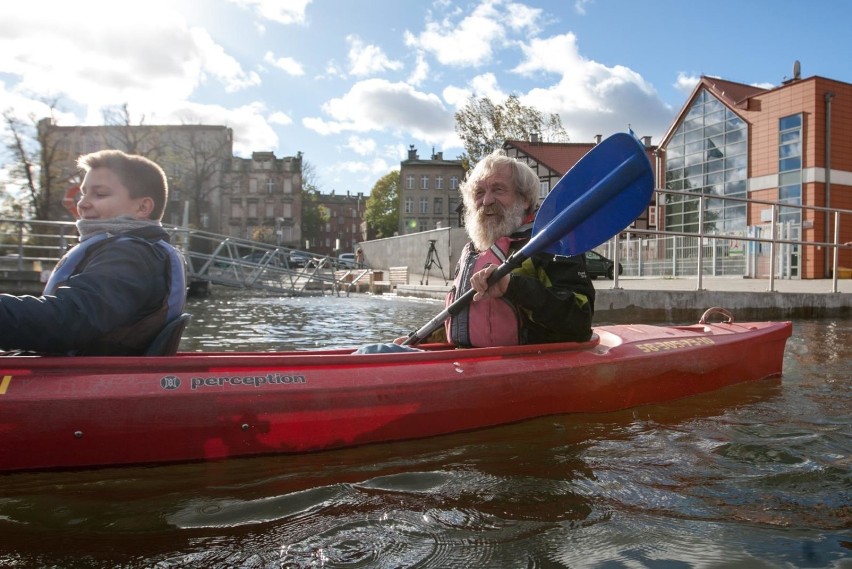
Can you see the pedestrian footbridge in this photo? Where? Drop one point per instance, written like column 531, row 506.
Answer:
column 228, row 261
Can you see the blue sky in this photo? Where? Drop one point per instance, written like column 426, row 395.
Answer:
column 353, row 83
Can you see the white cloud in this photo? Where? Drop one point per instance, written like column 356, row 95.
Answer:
column 367, row 60
column 590, row 97
column 420, row 71
column 686, row 83
column 251, row 128
column 216, row 62
column 466, row 43
column 379, row 105
column 286, row 64
column 484, row 85
column 279, row 11
column 361, row 146
column 59, row 48
column 280, row 118
column 580, row 6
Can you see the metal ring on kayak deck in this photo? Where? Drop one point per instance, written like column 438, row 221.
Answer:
column 729, row 318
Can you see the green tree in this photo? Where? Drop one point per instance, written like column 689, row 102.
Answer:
column 314, row 217
column 483, row 126
column 382, row 210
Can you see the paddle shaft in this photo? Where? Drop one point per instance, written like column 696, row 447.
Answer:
column 599, row 195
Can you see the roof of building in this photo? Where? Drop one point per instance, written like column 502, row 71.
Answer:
column 558, row 156
column 734, row 94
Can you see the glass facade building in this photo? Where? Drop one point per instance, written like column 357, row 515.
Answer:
column 707, row 154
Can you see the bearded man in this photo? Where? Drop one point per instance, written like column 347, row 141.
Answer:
column 549, row 298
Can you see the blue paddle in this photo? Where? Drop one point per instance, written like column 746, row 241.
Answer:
column 597, row 198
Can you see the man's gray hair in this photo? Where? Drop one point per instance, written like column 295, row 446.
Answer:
column 525, row 180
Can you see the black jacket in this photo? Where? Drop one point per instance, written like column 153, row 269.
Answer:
column 118, row 285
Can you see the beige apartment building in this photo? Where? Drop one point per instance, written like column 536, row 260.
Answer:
column 261, row 199
column 429, row 192
column 209, row 188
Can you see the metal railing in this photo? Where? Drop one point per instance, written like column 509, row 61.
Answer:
column 28, row 246
column 771, row 250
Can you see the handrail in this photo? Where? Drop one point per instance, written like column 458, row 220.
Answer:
column 773, row 240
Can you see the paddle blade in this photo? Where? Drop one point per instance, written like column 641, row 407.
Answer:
column 598, row 198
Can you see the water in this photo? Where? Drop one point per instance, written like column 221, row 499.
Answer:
column 753, row 476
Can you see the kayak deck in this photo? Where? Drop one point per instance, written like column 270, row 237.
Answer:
column 96, row 411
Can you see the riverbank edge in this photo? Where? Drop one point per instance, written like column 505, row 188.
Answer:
column 647, row 305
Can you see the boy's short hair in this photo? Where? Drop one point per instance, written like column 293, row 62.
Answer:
column 141, row 176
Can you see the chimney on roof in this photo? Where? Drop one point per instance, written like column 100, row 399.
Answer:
column 412, row 152
column 646, row 140
column 534, row 137
column 598, row 138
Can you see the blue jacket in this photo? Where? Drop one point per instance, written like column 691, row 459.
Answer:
column 114, row 303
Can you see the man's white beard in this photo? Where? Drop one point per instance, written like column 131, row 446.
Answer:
column 484, row 230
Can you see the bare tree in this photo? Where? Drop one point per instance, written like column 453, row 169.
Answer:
column 33, row 154
column 202, row 161
column 124, row 135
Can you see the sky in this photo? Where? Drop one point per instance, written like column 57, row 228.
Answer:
column 353, row 83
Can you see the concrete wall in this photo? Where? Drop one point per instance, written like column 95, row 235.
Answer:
column 412, row 250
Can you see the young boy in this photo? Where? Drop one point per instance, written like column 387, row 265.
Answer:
column 112, row 293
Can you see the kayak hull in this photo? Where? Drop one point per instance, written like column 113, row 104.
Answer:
column 60, row 413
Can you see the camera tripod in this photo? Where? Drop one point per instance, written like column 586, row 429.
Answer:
column 432, row 260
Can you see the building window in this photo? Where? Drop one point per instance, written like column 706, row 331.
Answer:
column 790, row 167
column 409, row 182
column 270, row 185
column 438, row 206
column 454, row 182
column 543, row 189
column 424, row 205
column 439, row 182
column 707, row 154
column 409, row 205
column 424, row 182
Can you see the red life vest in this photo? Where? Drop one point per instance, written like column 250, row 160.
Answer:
column 488, row 322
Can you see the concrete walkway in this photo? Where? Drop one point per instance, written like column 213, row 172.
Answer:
column 678, row 300
column 737, row 284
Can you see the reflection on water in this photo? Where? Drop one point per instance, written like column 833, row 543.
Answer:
column 239, row 320
column 756, row 475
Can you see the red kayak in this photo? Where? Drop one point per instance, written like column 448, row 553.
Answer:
column 101, row 411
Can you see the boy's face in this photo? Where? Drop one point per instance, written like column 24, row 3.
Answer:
column 103, row 196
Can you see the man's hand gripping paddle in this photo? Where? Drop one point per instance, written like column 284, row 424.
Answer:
column 598, row 198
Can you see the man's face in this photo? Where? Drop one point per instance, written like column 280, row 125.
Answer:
column 103, row 196
column 498, row 208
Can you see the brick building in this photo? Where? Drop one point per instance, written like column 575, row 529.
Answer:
column 343, row 225
column 790, row 144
